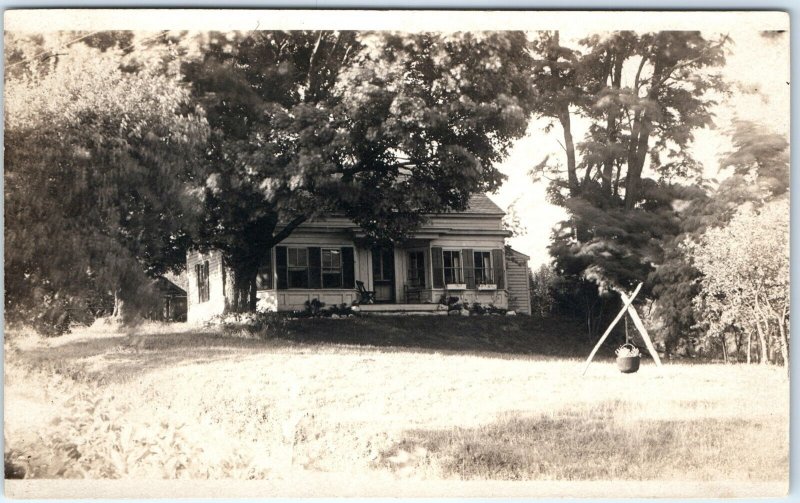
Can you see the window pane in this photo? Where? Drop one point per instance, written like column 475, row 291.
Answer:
column 298, row 278
column 332, row 280
column 448, row 258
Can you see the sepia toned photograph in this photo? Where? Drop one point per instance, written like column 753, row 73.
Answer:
column 396, row 254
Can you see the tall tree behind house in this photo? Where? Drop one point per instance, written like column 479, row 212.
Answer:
column 642, row 95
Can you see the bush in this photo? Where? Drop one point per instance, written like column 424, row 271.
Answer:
column 478, row 309
column 250, row 325
column 97, row 438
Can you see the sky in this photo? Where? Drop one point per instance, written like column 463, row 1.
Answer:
column 760, row 64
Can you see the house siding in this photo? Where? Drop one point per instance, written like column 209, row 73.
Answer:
column 198, row 311
column 519, row 292
column 460, row 231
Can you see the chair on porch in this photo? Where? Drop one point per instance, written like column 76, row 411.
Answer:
column 364, row 296
column 413, row 294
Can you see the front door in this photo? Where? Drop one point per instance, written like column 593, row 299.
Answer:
column 383, row 274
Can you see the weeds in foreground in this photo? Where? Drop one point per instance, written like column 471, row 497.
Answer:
column 597, row 443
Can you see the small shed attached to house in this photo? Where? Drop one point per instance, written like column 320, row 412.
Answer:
column 173, row 305
column 519, row 289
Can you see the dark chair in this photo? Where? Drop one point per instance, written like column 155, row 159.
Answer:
column 413, row 294
column 364, row 296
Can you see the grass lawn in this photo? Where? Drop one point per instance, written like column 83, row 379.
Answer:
column 423, row 398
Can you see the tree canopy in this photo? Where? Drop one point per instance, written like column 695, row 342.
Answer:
column 94, row 168
column 643, row 95
column 381, row 127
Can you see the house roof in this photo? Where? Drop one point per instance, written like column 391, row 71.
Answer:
column 512, row 251
column 481, row 204
column 181, row 280
column 167, row 287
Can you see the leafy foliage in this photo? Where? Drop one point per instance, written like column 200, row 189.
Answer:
column 745, row 279
column 758, row 169
column 381, row 127
column 95, row 162
column 625, row 183
column 644, row 95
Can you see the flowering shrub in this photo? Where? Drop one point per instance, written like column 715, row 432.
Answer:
column 628, row 351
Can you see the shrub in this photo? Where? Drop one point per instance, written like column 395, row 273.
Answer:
column 250, row 325
column 97, row 438
column 478, row 309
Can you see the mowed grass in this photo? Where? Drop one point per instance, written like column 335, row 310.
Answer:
column 417, row 397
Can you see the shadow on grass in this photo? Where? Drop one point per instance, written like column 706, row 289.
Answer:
column 599, row 443
column 520, row 335
column 123, row 356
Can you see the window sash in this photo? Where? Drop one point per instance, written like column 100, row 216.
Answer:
column 297, row 258
column 416, row 268
column 453, row 273
column 331, row 259
column 332, row 269
column 484, row 272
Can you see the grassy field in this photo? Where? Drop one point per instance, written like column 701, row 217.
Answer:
column 410, row 398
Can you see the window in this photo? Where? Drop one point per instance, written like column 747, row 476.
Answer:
column 297, row 261
column 331, row 268
column 416, row 268
column 383, row 264
column 452, row 267
column 264, row 277
column 201, row 272
column 484, row 274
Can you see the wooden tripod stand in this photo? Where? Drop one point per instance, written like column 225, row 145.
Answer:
column 627, row 306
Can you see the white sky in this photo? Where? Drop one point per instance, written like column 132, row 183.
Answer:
column 759, row 63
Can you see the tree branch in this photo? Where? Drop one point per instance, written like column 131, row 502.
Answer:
column 693, row 60
column 638, row 75
column 288, row 229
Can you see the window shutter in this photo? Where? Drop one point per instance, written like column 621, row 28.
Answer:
column 198, row 272
column 206, row 292
column 469, row 267
column 437, row 260
column 264, row 277
column 498, row 264
column 315, row 267
column 348, row 267
column 281, row 267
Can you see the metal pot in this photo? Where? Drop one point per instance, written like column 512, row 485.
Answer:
column 628, row 364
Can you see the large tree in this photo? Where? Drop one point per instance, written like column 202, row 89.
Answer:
column 639, row 97
column 96, row 152
column 756, row 171
column 381, row 127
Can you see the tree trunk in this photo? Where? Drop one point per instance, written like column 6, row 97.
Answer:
column 762, row 337
column 241, row 297
column 569, row 146
column 611, row 127
column 762, row 358
column 119, row 307
column 724, row 349
column 749, row 346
